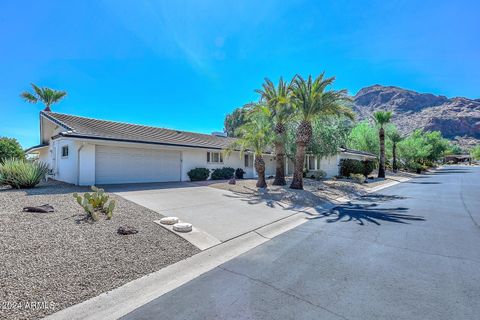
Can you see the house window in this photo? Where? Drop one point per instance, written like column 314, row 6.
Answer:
column 65, row 152
column 248, row 158
column 214, row 157
column 311, row 163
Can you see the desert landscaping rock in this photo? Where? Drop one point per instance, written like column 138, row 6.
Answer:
column 45, row 208
column 169, row 220
column 182, row 227
column 64, row 259
column 126, row 230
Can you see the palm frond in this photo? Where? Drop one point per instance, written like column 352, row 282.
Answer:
column 382, row 117
column 27, row 96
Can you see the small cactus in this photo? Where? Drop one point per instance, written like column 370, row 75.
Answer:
column 96, row 202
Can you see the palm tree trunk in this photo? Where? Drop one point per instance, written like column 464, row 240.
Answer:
column 297, row 182
column 280, row 165
column 394, row 153
column 381, row 167
column 260, row 167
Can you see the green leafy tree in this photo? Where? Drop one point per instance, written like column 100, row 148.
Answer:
column 236, row 119
column 381, row 119
column 328, row 135
column 311, row 99
column 395, row 138
column 438, row 143
column 255, row 135
column 414, row 150
column 277, row 99
column 475, row 152
column 10, row 149
column 453, row 149
column 45, row 95
column 364, row 137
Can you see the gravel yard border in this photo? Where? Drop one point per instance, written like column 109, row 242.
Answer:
column 50, row 261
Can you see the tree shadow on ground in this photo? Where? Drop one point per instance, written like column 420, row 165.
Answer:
column 367, row 213
column 424, row 182
column 276, row 198
column 377, row 197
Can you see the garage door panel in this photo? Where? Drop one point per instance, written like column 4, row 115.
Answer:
column 129, row 165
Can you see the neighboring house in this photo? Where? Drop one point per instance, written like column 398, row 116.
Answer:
column 87, row 151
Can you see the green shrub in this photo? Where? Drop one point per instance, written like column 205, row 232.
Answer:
column 368, row 167
column 318, row 175
column 95, row 202
column 10, row 149
column 239, row 173
column 349, row 166
column 198, row 174
column 357, row 177
column 22, row 174
column 222, row 173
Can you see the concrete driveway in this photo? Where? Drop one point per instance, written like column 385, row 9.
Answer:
column 221, row 214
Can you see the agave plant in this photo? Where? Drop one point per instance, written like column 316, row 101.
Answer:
column 22, row 174
column 46, row 95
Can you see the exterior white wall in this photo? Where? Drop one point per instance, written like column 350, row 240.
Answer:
column 86, row 165
column 197, row 158
column 270, row 165
column 327, row 164
column 64, row 168
column 44, row 155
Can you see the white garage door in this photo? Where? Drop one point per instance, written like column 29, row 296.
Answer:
column 127, row 165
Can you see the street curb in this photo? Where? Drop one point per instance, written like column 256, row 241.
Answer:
column 134, row 294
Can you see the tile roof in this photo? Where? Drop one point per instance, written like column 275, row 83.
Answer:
column 88, row 128
column 363, row 153
column 81, row 127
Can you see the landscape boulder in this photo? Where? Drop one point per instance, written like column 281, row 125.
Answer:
column 45, row 208
column 125, row 230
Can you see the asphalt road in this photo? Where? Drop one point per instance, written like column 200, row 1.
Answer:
column 410, row 252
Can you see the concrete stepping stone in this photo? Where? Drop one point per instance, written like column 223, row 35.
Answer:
column 182, row 227
column 169, row 220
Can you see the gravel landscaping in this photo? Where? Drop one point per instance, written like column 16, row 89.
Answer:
column 315, row 192
column 50, row 261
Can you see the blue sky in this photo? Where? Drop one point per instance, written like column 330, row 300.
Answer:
column 186, row 64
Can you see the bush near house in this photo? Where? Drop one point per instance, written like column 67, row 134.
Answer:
column 358, row 177
column 10, row 149
column 22, row 174
column 368, row 167
column 352, row 166
column 222, row 173
column 318, row 175
column 198, row 174
column 239, row 173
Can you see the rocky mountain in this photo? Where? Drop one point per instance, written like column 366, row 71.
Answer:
column 457, row 118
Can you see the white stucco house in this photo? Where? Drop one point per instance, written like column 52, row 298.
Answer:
column 86, row 151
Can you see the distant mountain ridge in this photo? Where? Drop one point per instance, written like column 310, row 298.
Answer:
column 457, row 118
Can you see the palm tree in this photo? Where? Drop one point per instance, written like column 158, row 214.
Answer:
column 277, row 99
column 255, row 135
column 311, row 99
column 46, row 95
column 395, row 137
column 381, row 119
